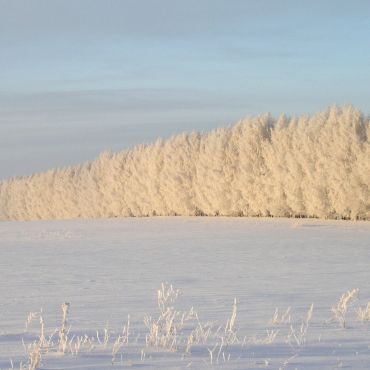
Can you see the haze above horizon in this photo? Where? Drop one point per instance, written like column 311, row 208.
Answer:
column 81, row 77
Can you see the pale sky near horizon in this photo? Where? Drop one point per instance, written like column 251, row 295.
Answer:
column 79, row 77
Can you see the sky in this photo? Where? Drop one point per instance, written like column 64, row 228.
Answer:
column 80, row 77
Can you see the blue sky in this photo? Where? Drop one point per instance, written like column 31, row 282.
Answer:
column 79, row 77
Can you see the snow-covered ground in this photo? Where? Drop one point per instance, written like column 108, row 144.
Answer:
column 109, row 269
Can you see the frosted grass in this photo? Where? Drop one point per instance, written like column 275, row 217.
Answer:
column 109, row 270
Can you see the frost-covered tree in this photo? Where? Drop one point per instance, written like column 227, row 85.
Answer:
column 316, row 166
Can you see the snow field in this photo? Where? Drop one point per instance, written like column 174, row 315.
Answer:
column 110, row 273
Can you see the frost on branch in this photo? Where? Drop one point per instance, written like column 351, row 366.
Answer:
column 304, row 166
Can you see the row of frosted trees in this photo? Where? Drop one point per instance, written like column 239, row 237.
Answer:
column 315, row 166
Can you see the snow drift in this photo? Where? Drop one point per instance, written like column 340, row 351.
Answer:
column 315, row 166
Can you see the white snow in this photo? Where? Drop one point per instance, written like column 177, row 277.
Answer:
column 109, row 269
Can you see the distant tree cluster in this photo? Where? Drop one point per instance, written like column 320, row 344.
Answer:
column 316, row 166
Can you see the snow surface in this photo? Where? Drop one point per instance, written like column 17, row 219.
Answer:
column 108, row 269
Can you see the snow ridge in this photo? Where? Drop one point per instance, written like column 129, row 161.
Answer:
column 308, row 166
